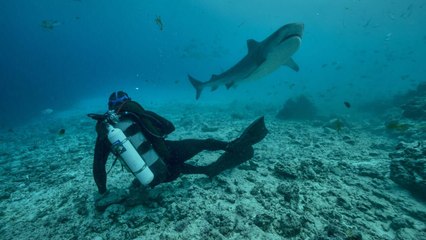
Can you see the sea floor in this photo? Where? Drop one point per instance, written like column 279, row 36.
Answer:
column 306, row 181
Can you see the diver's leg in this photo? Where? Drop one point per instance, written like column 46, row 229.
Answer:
column 238, row 151
column 226, row 161
column 183, row 150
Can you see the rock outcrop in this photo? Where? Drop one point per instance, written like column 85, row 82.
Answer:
column 408, row 167
column 299, row 108
column 415, row 108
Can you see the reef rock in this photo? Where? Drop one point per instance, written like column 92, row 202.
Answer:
column 413, row 103
column 110, row 198
column 300, row 108
column 415, row 108
column 408, row 167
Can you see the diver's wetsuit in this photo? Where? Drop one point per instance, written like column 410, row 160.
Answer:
column 173, row 153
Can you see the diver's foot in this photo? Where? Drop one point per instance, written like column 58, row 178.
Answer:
column 230, row 160
column 135, row 184
column 233, row 146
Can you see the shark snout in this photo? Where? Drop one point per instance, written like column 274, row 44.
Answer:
column 291, row 30
column 297, row 29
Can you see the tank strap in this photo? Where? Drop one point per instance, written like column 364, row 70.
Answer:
column 113, row 164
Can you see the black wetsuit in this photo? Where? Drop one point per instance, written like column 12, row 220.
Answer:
column 174, row 153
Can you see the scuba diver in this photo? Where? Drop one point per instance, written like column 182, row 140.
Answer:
column 138, row 138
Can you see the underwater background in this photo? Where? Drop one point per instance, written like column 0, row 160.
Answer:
column 55, row 54
column 345, row 153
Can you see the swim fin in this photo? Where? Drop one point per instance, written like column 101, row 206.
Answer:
column 229, row 160
column 253, row 134
column 239, row 150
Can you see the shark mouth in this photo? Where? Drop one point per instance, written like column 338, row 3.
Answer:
column 290, row 36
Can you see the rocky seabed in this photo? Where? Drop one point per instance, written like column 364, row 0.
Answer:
column 306, row 181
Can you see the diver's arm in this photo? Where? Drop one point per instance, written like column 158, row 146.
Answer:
column 153, row 133
column 102, row 150
column 166, row 125
column 152, row 120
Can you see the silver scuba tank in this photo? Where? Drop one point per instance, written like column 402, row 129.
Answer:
column 133, row 132
column 127, row 152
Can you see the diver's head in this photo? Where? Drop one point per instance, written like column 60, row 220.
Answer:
column 116, row 99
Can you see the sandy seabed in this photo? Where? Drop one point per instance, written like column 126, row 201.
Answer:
column 306, row 181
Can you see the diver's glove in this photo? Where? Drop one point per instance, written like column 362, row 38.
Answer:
column 99, row 196
column 110, row 197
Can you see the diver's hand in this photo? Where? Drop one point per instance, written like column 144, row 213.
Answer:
column 115, row 196
column 99, row 196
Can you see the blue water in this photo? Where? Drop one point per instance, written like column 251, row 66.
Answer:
column 352, row 50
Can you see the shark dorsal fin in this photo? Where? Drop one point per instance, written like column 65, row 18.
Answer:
column 252, row 44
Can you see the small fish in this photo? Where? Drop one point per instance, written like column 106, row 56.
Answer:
column 209, row 129
column 159, row 22
column 336, row 124
column 50, row 24
column 405, row 77
column 367, row 23
column 397, row 126
column 347, row 104
column 388, row 36
column 61, row 131
column 47, row 111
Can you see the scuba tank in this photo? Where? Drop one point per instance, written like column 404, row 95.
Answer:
column 123, row 148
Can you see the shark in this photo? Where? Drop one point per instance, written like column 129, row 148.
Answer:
column 262, row 59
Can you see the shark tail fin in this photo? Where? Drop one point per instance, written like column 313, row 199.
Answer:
column 198, row 85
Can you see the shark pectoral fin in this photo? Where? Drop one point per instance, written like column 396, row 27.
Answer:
column 252, row 45
column 214, row 77
column 292, row 64
column 229, row 85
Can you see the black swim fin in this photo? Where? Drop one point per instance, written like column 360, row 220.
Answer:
column 253, row 134
column 239, row 150
column 229, row 160
column 226, row 161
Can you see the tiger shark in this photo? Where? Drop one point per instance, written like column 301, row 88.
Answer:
column 262, row 59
